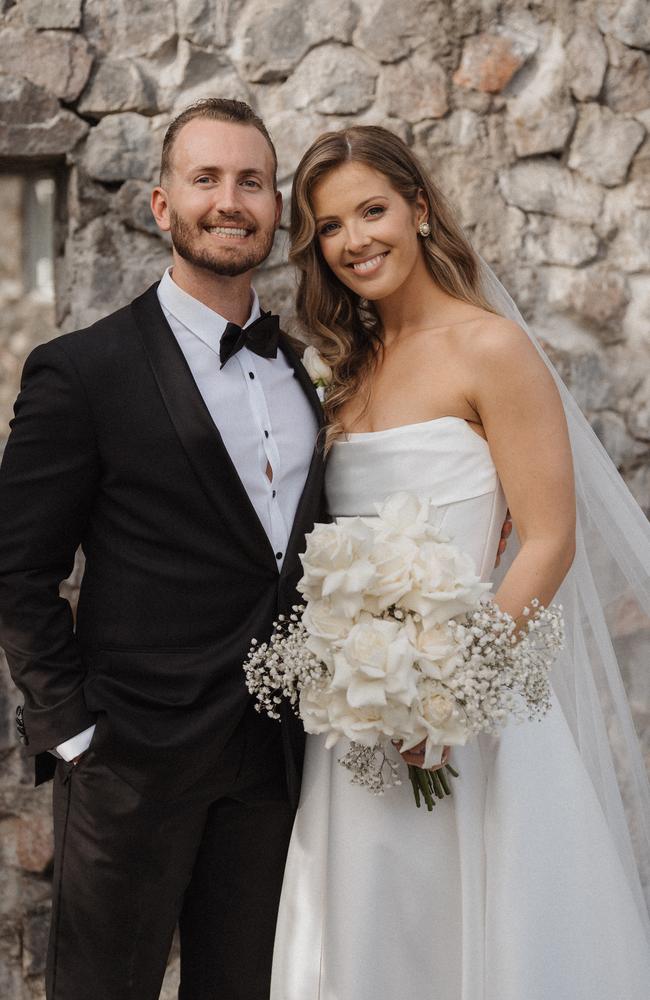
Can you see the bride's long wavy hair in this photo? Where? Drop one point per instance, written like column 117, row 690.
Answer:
column 348, row 327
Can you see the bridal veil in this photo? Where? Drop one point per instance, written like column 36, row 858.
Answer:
column 607, row 586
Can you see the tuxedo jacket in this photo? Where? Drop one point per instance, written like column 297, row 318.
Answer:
column 112, row 448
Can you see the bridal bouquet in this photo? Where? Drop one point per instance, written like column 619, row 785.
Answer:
column 397, row 641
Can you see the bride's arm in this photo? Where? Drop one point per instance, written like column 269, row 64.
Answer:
column 522, row 414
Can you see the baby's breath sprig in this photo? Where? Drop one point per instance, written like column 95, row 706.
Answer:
column 280, row 668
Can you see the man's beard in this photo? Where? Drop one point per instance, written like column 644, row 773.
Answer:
column 185, row 236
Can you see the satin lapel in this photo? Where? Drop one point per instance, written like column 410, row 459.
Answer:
column 196, row 430
column 310, row 499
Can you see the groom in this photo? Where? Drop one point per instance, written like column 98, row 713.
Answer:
column 175, row 440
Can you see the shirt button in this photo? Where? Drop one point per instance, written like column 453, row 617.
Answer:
column 266, row 434
column 274, row 493
column 278, row 555
column 251, row 375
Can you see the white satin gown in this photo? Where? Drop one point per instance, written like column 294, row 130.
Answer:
column 509, row 890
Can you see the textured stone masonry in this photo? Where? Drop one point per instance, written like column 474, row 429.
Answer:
column 533, row 116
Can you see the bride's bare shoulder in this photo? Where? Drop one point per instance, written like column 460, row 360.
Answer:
column 493, row 338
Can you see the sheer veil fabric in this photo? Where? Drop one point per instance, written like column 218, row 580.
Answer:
column 608, row 584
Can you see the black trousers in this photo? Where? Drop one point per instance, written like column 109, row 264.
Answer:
column 127, row 869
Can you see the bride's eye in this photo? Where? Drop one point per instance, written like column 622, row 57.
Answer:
column 327, row 229
column 375, row 211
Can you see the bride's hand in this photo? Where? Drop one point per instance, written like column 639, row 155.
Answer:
column 415, row 756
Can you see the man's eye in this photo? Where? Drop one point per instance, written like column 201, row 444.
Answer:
column 203, row 180
column 251, row 182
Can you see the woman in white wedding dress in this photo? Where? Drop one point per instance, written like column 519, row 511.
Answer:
column 520, row 885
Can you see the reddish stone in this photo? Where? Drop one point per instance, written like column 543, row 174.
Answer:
column 28, row 842
column 488, row 64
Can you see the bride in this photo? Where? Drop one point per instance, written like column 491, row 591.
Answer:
column 523, row 885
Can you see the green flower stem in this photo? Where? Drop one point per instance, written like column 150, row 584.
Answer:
column 442, row 778
column 436, row 784
column 425, row 785
column 414, row 783
column 428, row 784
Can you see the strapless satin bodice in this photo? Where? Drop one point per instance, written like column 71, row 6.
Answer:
column 443, row 459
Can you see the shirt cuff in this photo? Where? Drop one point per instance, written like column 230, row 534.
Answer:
column 75, row 745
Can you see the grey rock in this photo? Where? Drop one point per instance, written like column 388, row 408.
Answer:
column 613, row 434
column 389, row 31
column 631, row 248
column 272, row 38
column 498, row 233
column 195, row 73
column 292, row 133
column 586, row 62
column 587, row 374
column 60, row 61
column 415, row 88
column 627, row 20
column 604, row 144
column 119, row 148
column 86, row 199
column 638, row 481
column 53, row 14
column 541, row 116
column 129, row 27
column 554, row 241
column 32, row 122
column 546, row 186
column 627, row 84
column 117, row 85
column 466, row 184
column 639, row 413
column 331, row 79
column 36, row 927
column 636, row 325
column 108, row 265
column 597, row 294
column 133, row 207
column 204, row 22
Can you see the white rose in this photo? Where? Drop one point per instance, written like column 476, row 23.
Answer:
column 318, row 370
column 335, row 560
column 405, row 514
column 324, row 626
column 445, row 584
column 375, row 664
column 441, row 716
column 438, row 654
column 392, row 557
column 367, row 724
column 313, row 707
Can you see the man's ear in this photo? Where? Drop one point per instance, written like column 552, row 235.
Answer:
column 278, row 208
column 160, row 208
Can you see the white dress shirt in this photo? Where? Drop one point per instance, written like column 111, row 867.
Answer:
column 261, row 412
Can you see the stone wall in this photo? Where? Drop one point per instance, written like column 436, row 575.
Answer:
column 533, row 117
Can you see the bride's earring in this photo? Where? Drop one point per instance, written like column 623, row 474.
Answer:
column 424, row 229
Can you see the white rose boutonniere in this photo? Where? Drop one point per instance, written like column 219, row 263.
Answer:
column 318, row 370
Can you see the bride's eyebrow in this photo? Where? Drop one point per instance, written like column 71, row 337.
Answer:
column 374, row 197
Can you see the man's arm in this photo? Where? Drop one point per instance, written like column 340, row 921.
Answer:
column 48, row 479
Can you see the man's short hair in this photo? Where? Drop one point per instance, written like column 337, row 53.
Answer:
column 218, row 109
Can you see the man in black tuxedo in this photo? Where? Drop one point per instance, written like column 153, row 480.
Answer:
column 175, row 441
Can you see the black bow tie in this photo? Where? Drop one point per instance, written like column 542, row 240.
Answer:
column 261, row 337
